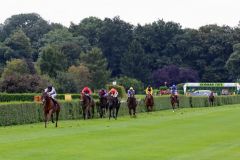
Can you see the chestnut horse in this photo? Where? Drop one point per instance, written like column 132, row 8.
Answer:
column 87, row 107
column 132, row 105
column 149, row 102
column 49, row 108
column 174, row 100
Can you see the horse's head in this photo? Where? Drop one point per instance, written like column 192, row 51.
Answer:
column 45, row 97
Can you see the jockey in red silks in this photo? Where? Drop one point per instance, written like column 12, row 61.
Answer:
column 113, row 92
column 86, row 91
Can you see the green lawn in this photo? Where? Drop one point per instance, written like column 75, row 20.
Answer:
column 188, row 134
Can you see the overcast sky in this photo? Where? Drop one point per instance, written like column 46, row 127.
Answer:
column 189, row 13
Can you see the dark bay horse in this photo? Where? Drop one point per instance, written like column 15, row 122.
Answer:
column 132, row 105
column 49, row 108
column 149, row 102
column 88, row 105
column 103, row 106
column 113, row 106
column 211, row 99
column 174, row 101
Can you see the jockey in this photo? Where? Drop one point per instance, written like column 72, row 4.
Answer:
column 102, row 93
column 149, row 90
column 113, row 92
column 174, row 90
column 87, row 91
column 50, row 90
column 131, row 91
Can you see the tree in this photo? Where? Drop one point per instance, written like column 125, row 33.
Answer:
column 20, row 45
column 172, row 74
column 233, row 62
column 65, row 83
column 135, row 63
column 15, row 66
column 89, row 28
column 82, row 76
column 32, row 24
column 51, row 61
column 24, row 83
column 97, row 64
column 70, row 46
column 115, row 36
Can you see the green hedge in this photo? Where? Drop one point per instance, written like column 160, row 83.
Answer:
column 29, row 112
column 5, row 97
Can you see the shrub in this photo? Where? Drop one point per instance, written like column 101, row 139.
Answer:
column 131, row 82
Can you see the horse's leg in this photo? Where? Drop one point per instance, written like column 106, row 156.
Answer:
column 104, row 112
column 49, row 114
column 52, row 118
column 173, row 106
column 117, row 109
column 129, row 111
column 45, row 119
column 100, row 111
column 57, row 114
column 92, row 108
column 90, row 112
column 110, row 112
column 134, row 111
column 115, row 113
column 83, row 112
column 86, row 112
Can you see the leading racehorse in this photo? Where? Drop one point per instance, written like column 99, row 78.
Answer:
column 88, row 105
column 49, row 108
column 174, row 100
column 132, row 105
column 149, row 102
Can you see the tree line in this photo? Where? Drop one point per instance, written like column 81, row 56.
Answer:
column 34, row 52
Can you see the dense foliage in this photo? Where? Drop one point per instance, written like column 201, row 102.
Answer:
column 101, row 50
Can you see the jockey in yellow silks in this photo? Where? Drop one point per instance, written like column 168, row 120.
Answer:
column 149, row 90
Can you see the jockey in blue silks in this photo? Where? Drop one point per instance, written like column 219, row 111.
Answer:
column 131, row 92
column 174, row 90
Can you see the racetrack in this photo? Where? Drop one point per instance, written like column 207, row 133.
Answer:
column 191, row 133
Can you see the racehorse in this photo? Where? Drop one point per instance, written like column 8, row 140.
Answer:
column 174, row 100
column 113, row 106
column 149, row 102
column 49, row 108
column 88, row 105
column 132, row 105
column 211, row 99
column 103, row 105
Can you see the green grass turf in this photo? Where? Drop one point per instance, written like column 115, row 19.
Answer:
column 188, row 134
